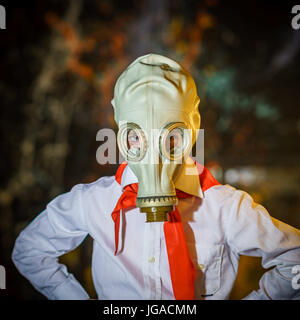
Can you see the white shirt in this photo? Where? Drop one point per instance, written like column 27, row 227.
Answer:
column 220, row 224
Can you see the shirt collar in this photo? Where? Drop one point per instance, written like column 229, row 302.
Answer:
column 187, row 181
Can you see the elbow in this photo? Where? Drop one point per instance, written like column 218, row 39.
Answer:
column 16, row 253
column 20, row 253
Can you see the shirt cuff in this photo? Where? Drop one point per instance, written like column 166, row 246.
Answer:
column 69, row 290
column 254, row 295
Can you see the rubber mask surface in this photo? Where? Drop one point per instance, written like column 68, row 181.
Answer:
column 156, row 109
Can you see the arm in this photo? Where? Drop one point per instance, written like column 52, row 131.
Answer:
column 56, row 231
column 251, row 231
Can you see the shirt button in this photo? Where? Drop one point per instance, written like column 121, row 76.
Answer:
column 201, row 266
column 151, row 260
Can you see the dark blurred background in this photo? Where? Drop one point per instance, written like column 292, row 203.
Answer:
column 59, row 63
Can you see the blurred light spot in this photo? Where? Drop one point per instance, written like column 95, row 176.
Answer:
column 176, row 26
column 27, row 148
column 222, row 124
column 55, row 150
column 181, row 47
column 5, row 198
column 232, row 176
column 264, row 110
column 220, row 86
column 205, row 20
column 26, row 178
column 246, row 176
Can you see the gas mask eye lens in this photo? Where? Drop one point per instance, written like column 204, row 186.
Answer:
column 132, row 142
column 174, row 141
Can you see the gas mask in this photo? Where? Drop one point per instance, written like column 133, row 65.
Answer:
column 156, row 109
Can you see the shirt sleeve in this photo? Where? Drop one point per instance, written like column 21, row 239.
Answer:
column 54, row 232
column 252, row 231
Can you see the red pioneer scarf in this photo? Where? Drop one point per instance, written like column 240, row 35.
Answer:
column 182, row 270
